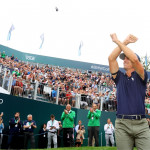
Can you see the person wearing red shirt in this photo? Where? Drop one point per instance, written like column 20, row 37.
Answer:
column 68, row 96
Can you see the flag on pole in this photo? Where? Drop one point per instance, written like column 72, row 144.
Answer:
column 80, row 46
column 146, row 59
column 9, row 33
column 42, row 39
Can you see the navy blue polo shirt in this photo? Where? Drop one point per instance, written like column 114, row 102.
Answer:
column 130, row 93
column 27, row 123
column 14, row 127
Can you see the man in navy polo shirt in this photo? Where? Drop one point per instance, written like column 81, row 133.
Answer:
column 15, row 128
column 131, row 126
column 29, row 126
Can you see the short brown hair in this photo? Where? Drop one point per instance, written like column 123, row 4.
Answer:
column 52, row 116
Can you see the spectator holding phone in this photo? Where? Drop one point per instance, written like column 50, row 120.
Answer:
column 52, row 127
column 80, row 135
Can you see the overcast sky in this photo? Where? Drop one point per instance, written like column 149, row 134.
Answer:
column 89, row 21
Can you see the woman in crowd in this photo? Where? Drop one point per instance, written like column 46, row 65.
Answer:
column 80, row 136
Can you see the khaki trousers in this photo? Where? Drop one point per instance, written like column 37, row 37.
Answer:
column 129, row 132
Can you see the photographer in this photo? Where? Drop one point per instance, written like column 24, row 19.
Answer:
column 80, row 136
column 52, row 127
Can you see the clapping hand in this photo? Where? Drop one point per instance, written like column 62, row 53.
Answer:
column 91, row 110
column 66, row 112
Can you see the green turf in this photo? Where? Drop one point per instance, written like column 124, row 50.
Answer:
column 88, row 148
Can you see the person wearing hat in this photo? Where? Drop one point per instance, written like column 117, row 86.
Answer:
column 130, row 126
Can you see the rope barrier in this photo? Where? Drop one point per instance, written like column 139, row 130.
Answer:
column 39, row 134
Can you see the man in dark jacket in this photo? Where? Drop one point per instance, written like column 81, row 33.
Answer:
column 15, row 128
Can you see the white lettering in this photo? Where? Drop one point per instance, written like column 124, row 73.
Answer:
column 1, row 101
column 30, row 57
column 100, row 68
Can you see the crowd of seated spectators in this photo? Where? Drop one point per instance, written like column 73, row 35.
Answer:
column 94, row 87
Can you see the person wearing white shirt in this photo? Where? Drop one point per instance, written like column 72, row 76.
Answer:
column 77, row 126
column 109, row 130
column 52, row 127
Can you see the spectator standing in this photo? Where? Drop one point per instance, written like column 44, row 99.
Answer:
column 106, row 100
column 1, row 129
column 59, row 134
column 68, row 124
column 29, row 126
column 54, row 94
column 43, row 137
column 94, row 124
column 80, row 136
column 63, row 96
column 52, row 127
column 69, row 96
column 77, row 126
column 109, row 130
column 15, row 128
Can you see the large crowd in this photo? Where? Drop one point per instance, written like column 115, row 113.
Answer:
column 94, row 87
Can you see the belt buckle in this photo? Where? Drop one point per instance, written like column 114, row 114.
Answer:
column 139, row 117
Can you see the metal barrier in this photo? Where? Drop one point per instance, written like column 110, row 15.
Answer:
column 78, row 100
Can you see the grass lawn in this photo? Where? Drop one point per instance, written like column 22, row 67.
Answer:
column 88, row 148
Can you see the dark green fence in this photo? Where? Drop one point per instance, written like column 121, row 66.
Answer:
column 41, row 112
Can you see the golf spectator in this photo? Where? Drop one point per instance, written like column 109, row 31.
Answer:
column 15, row 129
column 94, row 124
column 68, row 124
column 80, row 136
column 109, row 133
column 43, row 137
column 29, row 126
column 52, row 128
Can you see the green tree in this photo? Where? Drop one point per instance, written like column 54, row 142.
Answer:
column 146, row 67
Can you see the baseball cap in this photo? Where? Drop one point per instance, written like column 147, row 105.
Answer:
column 122, row 56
